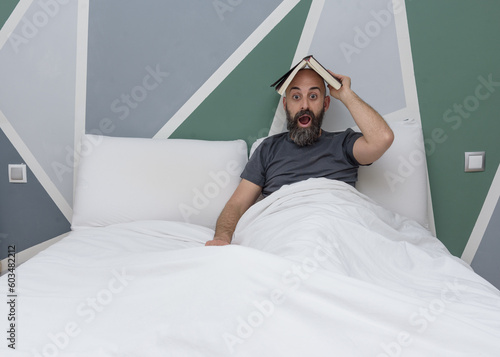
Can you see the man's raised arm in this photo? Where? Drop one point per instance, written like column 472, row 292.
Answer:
column 244, row 196
column 377, row 136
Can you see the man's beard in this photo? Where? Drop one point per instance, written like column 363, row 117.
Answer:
column 304, row 136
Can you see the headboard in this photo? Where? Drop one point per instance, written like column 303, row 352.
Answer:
column 127, row 179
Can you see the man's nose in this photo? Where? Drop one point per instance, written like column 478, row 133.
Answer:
column 305, row 104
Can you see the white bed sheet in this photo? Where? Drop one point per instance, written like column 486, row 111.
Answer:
column 316, row 269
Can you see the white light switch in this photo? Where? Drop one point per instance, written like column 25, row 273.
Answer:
column 17, row 173
column 474, row 161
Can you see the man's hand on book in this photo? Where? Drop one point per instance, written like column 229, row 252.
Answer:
column 346, row 86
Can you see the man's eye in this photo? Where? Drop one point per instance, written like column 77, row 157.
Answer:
column 313, row 96
column 296, row 96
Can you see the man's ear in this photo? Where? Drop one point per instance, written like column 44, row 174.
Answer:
column 284, row 103
column 326, row 103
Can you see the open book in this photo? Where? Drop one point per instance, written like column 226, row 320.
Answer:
column 282, row 83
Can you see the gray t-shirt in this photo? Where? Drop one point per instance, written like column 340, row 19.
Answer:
column 279, row 161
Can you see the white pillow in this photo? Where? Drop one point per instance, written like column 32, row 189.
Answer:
column 398, row 180
column 130, row 179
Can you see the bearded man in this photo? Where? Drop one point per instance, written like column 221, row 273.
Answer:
column 306, row 150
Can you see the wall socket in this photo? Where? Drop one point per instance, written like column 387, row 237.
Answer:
column 17, row 173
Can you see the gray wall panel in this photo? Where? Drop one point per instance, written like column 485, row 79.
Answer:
column 486, row 262
column 37, row 88
column 184, row 42
column 28, row 216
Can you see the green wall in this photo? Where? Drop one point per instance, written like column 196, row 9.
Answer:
column 455, row 49
column 249, row 103
column 6, row 8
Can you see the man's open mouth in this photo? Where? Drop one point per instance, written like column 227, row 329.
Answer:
column 304, row 120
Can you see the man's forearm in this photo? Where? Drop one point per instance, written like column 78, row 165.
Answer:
column 377, row 135
column 226, row 223
column 243, row 197
column 371, row 123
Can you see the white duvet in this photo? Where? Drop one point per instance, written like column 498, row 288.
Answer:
column 315, row 269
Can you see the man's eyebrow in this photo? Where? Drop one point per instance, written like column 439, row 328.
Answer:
column 312, row 88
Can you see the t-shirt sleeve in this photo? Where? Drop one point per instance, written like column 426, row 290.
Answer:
column 348, row 146
column 254, row 170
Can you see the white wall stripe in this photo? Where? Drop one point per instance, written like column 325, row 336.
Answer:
column 226, row 68
column 406, row 59
column 81, row 79
column 25, row 255
column 35, row 167
column 13, row 20
column 483, row 219
column 302, row 50
column 412, row 109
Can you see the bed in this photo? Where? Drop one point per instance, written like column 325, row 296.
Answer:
column 318, row 268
